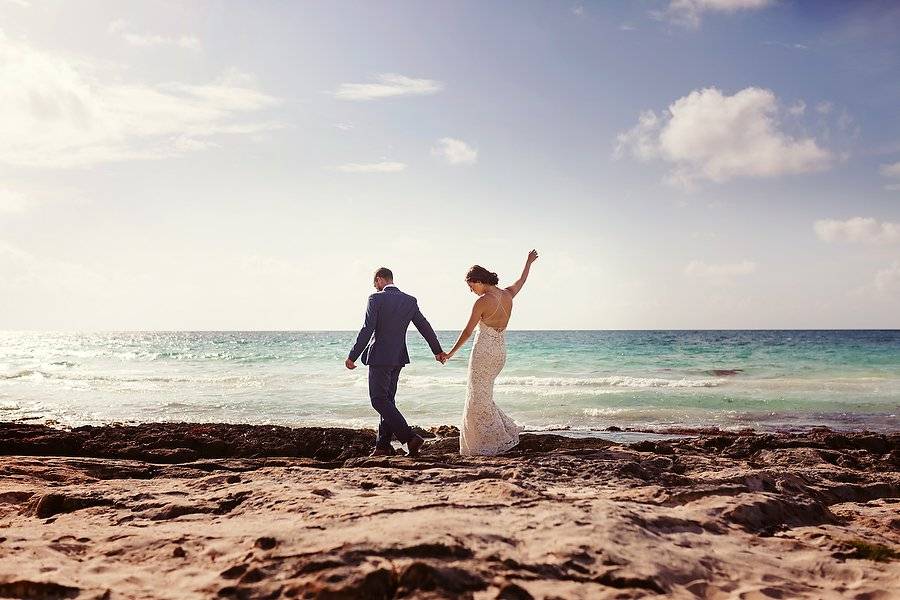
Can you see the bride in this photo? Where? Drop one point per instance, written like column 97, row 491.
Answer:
column 486, row 429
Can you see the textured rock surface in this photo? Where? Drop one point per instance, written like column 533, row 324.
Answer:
column 234, row 511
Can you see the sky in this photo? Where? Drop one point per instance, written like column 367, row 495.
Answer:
column 678, row 164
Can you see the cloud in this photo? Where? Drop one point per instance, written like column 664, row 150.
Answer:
column 797, row 108
column 824, row 107
column 21, row 3
column 389, row 85
column 688, row 13
column 794, row 46
column 709, row 136
column 724, row 271
column 58, row 111
column 578, row 10
column 887, row 281
column 14, row 202
column 185, row 41
column 455, row 152
column 857, row 230
column 121, row 27
column 891, row 170
column 22, row 270
column 379, row 167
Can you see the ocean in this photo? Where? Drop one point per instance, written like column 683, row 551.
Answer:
column 579, row 381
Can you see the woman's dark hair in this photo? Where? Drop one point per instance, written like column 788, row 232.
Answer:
column 478, row 274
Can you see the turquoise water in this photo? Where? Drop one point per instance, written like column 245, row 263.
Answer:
column 582, row 380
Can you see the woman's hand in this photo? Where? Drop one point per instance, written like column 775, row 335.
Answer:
column 532, row 256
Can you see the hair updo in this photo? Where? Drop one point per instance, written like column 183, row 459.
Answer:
column 479, row 274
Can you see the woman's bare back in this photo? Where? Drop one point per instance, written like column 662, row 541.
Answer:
column 498, row 305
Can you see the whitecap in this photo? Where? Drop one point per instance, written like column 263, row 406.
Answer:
column 612, row 381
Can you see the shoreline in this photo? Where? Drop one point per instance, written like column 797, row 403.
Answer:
column 184, row 441
column 245, row 511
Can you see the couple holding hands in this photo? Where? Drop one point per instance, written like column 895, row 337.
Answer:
column 485, row 430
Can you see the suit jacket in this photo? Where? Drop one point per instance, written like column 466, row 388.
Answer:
column 382, row 339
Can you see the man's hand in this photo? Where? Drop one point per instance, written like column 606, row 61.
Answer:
column 532, row 256
column 442, row 358
column 350, row 364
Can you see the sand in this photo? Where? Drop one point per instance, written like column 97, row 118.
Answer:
column 202, row 511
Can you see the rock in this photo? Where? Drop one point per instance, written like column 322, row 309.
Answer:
column 54, row 503
column 233, row 572
column 266, row 543
column 421, row 576
column 373, row 580
column 725, row 372
column 446, row 445
column 511, row 591
column 185, row 442
column 446, row 431
column 425, row 433
column 37, row 589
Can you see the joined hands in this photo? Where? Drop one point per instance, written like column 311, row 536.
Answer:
column 442, row 358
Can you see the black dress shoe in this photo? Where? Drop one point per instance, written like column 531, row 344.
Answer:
column 382, row 452
column 414, row 444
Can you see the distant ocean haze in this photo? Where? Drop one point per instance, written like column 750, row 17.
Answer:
column 581, row 380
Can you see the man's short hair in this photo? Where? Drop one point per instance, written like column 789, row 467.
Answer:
column 384, row 273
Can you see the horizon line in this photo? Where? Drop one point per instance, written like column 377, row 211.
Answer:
column 442, row 330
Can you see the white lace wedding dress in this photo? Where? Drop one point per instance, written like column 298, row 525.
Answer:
column 486, row 430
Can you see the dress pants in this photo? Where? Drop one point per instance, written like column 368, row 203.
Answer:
column 382, row 392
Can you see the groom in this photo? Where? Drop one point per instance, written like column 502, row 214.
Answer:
column 388, row 316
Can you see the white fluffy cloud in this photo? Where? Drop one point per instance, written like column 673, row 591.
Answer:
column 688, row 13
column 710, row 136
column 386, row 86
column 703, row 270
column 121, row 27
column 455, row 152
column 858, row 230
column 378, row 167
column 57, row 111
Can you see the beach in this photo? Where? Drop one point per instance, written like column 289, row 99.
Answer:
column 649, row 250
column 190, row 510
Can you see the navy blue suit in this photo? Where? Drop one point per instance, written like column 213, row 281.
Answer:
column 382, row 344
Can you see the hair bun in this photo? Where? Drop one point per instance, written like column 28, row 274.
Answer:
column 478, row 274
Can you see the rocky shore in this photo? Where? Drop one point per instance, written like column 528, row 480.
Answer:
column 181, row 510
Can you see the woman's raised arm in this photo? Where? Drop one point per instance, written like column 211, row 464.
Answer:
column 517, row 286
